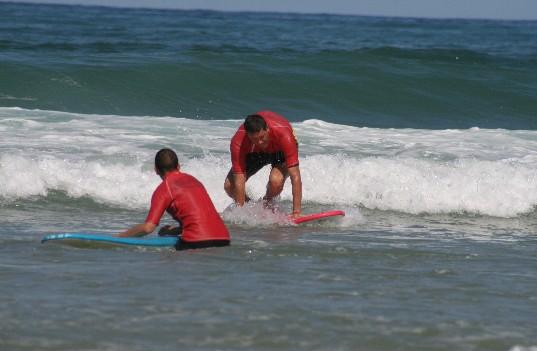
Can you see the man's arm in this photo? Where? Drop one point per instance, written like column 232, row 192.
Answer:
column 159, row 202
column 239, row 188
column 138, row 230
column 296, row 183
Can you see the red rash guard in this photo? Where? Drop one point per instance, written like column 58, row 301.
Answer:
column 281, row 138
column 187, row 201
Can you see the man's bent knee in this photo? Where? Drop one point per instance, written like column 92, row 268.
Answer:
column 275, row 185
column 228, row 184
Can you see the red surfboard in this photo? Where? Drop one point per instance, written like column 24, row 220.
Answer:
column 317, row 216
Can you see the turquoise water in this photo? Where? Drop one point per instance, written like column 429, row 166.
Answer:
column 423, row 131
column 362, row 71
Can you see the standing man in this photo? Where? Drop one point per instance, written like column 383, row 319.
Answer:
column 264, row 138
column 187, row 201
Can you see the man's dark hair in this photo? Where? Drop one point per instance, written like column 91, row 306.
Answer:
column 254, row 124
column 166, row 161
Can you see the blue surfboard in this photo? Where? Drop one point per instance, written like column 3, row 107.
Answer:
column 78, row 238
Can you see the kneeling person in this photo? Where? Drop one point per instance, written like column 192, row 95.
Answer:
column 264, row 138
column 187, row 201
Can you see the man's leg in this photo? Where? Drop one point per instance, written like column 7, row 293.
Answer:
column 229, row 186
column 254, row 162
column 277, row 177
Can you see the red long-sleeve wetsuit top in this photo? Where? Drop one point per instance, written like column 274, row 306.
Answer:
column 281, row 138
column 187, row 201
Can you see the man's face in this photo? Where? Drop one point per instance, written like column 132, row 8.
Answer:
column 260, row 139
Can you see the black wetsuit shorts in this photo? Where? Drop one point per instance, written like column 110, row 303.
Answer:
column 257, row 160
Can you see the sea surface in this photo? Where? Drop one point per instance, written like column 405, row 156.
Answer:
column 423, row 130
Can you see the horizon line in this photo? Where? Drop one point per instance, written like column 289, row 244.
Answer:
column 321, row 13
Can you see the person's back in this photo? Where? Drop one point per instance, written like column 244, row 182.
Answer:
column 187, row 201
column 192, row 206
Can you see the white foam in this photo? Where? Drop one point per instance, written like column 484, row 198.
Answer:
column 109, row 159
column 254, row 214
column 407, row 185
column 415, row 185
column 523, row 348
column 120, row 185
column 352, row 218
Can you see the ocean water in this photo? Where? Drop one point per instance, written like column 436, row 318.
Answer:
column 423, row 131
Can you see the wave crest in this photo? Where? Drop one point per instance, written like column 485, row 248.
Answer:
column 492, row 188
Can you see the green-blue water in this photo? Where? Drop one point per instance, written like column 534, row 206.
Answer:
column 362, row 71
column 423, row 131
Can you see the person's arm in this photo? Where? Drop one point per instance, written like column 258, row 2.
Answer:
column 138, row 230
column 296, row 183
column 289, row 147
column 239, row 187
column 238, row 150
column 159, row 202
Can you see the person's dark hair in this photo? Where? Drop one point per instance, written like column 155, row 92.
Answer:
column 166, row 161
column 254, row 124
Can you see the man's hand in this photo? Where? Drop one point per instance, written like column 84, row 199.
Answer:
column 138, row 230
column 294, row 215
